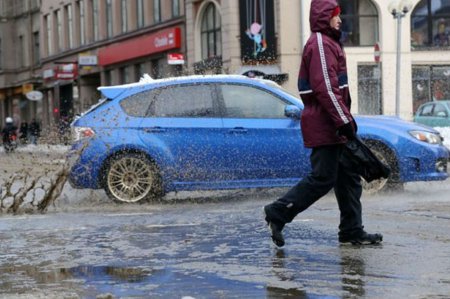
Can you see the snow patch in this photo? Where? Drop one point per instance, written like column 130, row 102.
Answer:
column 445, row 132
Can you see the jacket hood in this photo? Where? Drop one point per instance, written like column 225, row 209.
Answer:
column 320, row 14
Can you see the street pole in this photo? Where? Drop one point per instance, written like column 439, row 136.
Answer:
column 398, row 9
column 398, row 62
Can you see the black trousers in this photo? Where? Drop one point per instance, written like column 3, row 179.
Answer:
column 330, row 169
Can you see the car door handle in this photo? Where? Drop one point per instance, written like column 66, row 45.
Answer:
column 154, row 130
column 238, row 130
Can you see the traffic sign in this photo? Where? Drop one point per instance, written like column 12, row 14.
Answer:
column 376, row 53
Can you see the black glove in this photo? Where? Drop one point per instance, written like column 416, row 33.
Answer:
column 347, row 130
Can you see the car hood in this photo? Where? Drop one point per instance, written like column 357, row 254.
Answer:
column 390, row 123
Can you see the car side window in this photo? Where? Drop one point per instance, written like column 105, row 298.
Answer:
column 243, row 101
column 439, row 110
column 184, row 101
column 426, row 110
column 137, row 104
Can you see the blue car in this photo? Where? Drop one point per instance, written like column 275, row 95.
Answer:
column 221, row 132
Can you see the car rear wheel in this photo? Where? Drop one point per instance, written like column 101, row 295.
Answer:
column 131, row 177
column 383, row 184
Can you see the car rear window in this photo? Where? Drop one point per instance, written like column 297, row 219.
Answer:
column 137, row 105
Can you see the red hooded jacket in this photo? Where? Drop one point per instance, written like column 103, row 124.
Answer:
column 322, row 81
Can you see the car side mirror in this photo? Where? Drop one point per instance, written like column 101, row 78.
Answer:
column 441, row 114
column 292, row 111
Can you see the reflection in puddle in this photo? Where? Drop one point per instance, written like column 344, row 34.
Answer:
column 124, row 281
column 110, row 273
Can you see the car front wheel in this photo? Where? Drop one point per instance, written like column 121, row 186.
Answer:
column 131, row 178
column 383, row 184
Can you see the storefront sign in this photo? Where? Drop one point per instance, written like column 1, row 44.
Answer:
column 87, row 60
column 140, row 47
column 66, row 71
column 26, row 88
column 48, row 74
column 34, row 95
column 175, row 58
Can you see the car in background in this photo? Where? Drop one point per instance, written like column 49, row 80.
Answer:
column 222, row 132
column 434, row 114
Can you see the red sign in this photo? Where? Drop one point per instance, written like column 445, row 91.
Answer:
column 376, row 53
column 141, row 46
column 175, row 58
column 66, row 71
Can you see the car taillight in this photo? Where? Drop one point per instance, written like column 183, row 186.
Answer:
column 79, row 133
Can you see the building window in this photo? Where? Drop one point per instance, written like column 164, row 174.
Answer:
column 138, row 71
column 430, row 83
column 36, row 48
column 48, row 25
column 140, row 13
column 59, row 29
column 157, row 11
column 69, row 25
column 211, row 38
column 1, row 55
column 175, row 8
column 124, row 74
column 82, row 22
column 95, row 16
column 107, row 78
column 430, row 24
column 359, row 23
column 123, row 9
column 369, row 90
column 109, row 17
column 21, row 51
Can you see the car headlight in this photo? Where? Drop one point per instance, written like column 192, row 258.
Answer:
column 427, row 137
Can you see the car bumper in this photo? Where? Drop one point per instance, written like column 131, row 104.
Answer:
column 430, row 164
column 85, row 162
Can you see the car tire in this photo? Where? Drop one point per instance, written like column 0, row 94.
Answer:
column 385, row 155
column 132, row 178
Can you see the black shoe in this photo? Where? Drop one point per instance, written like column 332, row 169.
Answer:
column 362, row 239
column 275, row 230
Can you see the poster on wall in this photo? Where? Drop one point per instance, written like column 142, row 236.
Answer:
column 257, row 31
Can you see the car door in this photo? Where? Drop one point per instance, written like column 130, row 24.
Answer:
column 425, row 115
column 260, row 141
column 184, row 128
column 440, row 115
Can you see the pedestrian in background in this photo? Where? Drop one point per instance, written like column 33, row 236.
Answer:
column 23, row 132
column 35, row 131
column 327, row 125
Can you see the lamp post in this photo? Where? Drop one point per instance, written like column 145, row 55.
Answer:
column 398, row 9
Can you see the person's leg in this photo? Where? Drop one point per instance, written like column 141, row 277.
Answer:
column 348, row 192
column 324, row 163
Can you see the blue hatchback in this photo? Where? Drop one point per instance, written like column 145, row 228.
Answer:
column 221, row 132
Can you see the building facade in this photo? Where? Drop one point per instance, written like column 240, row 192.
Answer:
column 74, row 46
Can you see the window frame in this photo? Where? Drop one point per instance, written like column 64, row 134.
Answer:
column 357, row 20
column 431, row 19
column 223, row 103
column 211, row 37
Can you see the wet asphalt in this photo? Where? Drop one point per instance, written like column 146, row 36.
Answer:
column 216, row 245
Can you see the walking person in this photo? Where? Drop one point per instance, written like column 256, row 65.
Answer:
column 35, row 131
column 327, row 125
column 23, row 132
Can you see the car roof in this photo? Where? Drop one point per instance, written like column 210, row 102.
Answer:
column 146, row 82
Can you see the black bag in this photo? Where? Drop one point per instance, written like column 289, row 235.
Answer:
column 364, row 161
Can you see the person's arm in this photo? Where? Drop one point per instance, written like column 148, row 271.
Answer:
column 324, row 81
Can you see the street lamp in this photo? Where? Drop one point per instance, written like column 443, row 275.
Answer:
column 398, row 9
